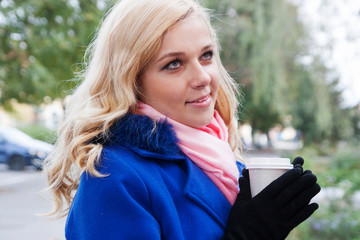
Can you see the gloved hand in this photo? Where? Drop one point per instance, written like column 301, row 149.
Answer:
column 300, row 161
column 276, row 210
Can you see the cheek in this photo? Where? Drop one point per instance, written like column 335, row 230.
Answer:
column 215, row 76
column 161, row 92
column 171, row 94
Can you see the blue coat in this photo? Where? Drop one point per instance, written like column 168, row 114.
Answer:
column 151, row 191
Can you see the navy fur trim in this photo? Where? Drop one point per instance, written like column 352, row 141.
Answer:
column 138, row 131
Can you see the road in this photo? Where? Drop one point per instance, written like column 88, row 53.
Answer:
column 20, row 204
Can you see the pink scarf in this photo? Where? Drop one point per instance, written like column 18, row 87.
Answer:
column 208, row 148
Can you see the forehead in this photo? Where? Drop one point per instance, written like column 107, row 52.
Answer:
column 190, row 32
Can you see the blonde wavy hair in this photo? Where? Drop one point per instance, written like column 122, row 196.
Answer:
column 129, row 38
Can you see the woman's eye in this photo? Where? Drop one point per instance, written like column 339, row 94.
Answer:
column 208, row 55
column 173, row 65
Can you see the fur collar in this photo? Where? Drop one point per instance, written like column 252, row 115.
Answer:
column 138, row 131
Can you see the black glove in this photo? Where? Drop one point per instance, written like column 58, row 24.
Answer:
column 298, row 160
column 276, row 210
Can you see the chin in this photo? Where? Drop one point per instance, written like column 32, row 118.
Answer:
column 201, row 122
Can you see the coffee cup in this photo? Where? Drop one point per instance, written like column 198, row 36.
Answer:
column 262, row 171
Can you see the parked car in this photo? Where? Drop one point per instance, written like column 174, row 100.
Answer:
column 19, row 150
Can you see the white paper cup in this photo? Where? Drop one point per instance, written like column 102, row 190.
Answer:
column 262, row 171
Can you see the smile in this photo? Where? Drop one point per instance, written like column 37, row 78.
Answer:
column 201, row 102
column 202, row 99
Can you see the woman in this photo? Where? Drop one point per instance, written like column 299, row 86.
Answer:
column 149, row 142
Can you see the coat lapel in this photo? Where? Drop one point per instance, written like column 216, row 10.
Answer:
column 205, row 193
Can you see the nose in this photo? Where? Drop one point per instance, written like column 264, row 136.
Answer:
column 199, row 77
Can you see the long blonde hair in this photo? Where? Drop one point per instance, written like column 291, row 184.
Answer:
column 129, row 38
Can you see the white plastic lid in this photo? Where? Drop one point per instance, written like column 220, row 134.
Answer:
column 278, row 163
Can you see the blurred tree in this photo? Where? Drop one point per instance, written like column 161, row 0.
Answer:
column 40, row 43
column 341, row 123
column 261, row 41
column 269, row 51
column 355, row 121
column 264, row 44
column 311, row 104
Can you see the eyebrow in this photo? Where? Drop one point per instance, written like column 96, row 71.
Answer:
column 177, row 54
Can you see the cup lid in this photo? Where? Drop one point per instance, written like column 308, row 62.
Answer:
column 279, row 163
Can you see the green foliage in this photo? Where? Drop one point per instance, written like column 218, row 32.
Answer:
column 40, row 133
column 335, row 166
column 40, row 42
column 344, row 169
column 338, row 217
column 263, row 44
column 355, row 121
column 338, row 220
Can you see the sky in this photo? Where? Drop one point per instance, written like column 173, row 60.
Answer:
column 336, row 23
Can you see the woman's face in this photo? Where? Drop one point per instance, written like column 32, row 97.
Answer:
column 182, row 81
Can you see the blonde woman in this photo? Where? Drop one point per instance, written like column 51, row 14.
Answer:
column 149, row 147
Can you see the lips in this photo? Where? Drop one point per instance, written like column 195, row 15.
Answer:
column 200, row 100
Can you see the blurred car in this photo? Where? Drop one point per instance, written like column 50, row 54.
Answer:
column 19, row 150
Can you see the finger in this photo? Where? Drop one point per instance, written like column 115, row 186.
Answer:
column 245, row 191
column 300, row 167
column 304, row 214
column 301, row 200
column 244, row 183
column 307, row 172
column 297, row 187
column 298, row 160
column 245, row 173
column 278, row 185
